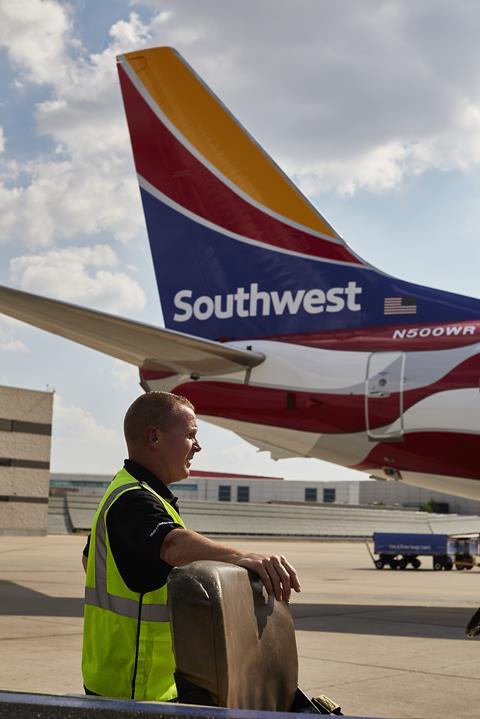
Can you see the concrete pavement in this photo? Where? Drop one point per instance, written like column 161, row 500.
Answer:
column 382, row 643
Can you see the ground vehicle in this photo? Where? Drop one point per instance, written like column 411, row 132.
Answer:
column 398, row 550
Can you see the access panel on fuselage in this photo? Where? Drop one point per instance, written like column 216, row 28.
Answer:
column 384, row 395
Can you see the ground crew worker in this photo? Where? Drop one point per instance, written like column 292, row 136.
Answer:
column 137, row 537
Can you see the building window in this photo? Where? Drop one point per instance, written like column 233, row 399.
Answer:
column 310, row 494
column 25, row 463
column 224, row 493
column 243, row 494
column 328, row 495
column 16, row 425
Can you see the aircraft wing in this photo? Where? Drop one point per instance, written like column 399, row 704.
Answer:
column 139, row 344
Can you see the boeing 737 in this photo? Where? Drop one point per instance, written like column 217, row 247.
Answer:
column 274, row 327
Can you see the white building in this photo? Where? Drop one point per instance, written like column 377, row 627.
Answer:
column 230, row 487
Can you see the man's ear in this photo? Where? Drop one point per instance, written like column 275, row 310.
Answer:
column 152, row 435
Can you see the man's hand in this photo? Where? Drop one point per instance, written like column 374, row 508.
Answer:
column 182, row 546
column 276, row 573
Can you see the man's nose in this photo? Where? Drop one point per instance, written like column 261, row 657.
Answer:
column 196, row 446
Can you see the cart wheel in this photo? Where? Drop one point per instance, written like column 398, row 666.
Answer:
column 394, row 564
column 402, row 564
column 379, row 563
column 416, row 563
column 438, row 566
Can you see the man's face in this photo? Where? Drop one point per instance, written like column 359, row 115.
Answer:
column 177, row 446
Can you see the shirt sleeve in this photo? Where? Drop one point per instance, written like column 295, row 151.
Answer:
column 137, row 524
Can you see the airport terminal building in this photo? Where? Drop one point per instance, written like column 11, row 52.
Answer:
column 203, row 486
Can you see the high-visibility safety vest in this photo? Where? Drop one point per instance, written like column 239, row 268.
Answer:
column 127, row 643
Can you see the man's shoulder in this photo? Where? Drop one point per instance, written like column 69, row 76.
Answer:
column 141, row 494
column 139, row 501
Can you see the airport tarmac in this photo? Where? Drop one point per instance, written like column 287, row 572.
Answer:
column 382, row 643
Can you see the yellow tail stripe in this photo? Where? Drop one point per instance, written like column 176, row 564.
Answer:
column 205, row 123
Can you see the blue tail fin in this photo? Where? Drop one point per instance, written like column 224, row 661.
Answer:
column 238, row 251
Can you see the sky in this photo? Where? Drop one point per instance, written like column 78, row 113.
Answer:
column 373, row 109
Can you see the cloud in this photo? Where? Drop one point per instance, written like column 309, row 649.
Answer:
column 380, row 169
column 73, row 422
column 87, row 184
column 343, row 98
column 8, row 339
column 78, row 440
column 64, row 199
column 124, row 375
column 35, row 34
column 84, row 275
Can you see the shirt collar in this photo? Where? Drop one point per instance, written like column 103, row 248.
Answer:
column 142, row 474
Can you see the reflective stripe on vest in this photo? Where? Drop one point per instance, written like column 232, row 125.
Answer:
column 98, row 596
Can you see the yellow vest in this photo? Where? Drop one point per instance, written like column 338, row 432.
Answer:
column 127, row 643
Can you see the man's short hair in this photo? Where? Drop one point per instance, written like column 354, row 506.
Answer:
column 154, row 408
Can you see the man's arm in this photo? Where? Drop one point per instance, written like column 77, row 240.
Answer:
column 182, row 546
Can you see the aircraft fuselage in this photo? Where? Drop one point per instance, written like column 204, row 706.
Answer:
column 392, row 413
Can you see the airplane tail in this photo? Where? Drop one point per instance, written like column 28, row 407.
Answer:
column 238, row 251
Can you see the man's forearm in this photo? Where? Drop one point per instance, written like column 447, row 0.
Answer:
column 182, row 546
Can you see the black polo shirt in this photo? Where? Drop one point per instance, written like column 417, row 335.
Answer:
column 137, row 524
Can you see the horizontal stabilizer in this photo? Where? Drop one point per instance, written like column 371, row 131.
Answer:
column 139, row 344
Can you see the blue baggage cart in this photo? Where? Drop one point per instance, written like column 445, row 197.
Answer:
column 398, row 550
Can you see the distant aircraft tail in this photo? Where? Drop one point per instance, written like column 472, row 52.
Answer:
column 238, row 251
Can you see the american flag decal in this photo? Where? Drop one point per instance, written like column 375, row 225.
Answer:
column 400, row 306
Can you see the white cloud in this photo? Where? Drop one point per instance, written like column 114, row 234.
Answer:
column 84, row 275
column 74, row 422
column 132, row 32
column 124, row 375
column 366, row 107
column 35, row 34
column 343, row 98
column 382, row 168
column 9, row 342
column 78, row 440
column 87, row 185
column 2, row 139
